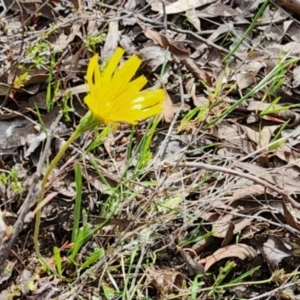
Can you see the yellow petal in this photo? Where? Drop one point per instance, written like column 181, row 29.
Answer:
column 93, row 73
column 150, row 98
column 112, row 64
column 125, row 73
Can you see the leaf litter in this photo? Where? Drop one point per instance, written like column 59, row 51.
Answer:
column 169, row 224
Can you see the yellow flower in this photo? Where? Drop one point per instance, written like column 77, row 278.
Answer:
column 113, row 97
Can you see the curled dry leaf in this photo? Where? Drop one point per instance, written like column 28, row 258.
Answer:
column 229, row 235
column 274, row 250
column 195, row 70
column 166, row 43
column 192, row 265
column 168, row 111
column 228, row 222
column 289, row 217
column 241, row 251
column 165, row 281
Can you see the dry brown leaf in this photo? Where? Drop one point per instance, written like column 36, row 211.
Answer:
column 178, row 107
column 291, row 29
column 217, row 10
column 233, row 138
column 190, row 85
column 285, row 179
column 178, row 6
column 239, row 224
column 166, row 43
column 296, row 77
column 193, row 266
column 63, row 40
column 274, row 250
column 255, row 170
column 277, row 206
column 29, row 8
column 291, row 48
column 289, row 217
column 247, row 192
column 288, row 154
column 219, row 32
column 154, row 56
column 280, row 177
column 257, row 106
column 19, row 132
column 241, row 251
column 192, row 17
column 246, row 74
column 78, row 4
column 264, row 140
column 165, row 281
column 168, row 111
column 229, row 235
column 76, row 90
column 251, row 134
column 293, row 5
column 221, row 225
column 190, row 88
column 111, row 41
column 196, row 71
column 93, row 179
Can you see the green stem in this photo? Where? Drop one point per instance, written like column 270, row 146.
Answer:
column 58, row 156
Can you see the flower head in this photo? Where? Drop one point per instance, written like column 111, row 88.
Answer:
column 113, row 97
